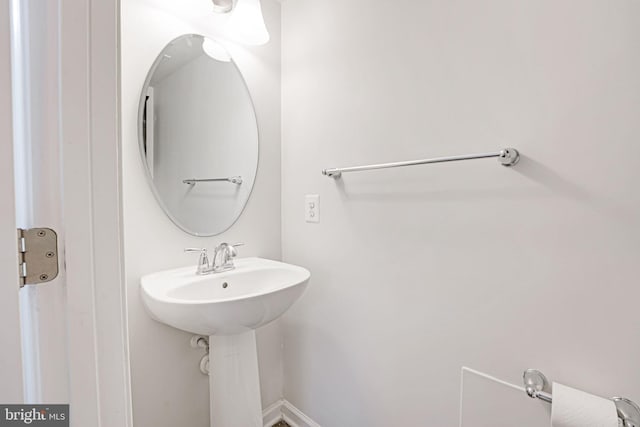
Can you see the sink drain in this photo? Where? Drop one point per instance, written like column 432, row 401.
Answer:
column 224, row 285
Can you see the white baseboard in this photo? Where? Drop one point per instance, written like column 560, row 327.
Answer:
column 284, row 410
column 295, row 417
column 272, row 414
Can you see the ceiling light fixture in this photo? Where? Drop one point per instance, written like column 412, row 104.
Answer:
column 246, row 23
column 222, row 6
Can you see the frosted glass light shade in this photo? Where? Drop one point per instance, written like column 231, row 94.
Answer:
column 222, row 6
column 246, row 24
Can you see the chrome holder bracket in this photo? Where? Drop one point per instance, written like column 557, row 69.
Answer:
column 536, row 385
column 628, row 412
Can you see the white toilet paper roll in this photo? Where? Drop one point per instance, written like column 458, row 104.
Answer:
column 575, row 408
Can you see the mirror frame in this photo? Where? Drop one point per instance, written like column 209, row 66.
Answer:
column 141, row 104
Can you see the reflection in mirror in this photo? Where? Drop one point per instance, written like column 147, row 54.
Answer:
column 198, row 135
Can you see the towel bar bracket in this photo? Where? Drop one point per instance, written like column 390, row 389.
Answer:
column 508, row 156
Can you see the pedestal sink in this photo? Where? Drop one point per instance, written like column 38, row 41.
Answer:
column 227, row 307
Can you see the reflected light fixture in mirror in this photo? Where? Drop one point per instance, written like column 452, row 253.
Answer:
column 246, row 23
column 215, row 50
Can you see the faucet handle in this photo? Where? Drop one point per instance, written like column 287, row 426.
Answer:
column 203, row 260
column 232, row 249
column 203, row 251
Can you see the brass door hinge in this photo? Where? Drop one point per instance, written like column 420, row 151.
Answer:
column 37, row 255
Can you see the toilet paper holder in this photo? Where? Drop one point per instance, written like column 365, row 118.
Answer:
column 535, row 384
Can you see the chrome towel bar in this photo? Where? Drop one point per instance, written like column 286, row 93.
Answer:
column 506, row 157
column 231, row 179
column 535, row 382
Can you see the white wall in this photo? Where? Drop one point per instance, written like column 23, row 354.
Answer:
column 168, row 388
column 419, row 271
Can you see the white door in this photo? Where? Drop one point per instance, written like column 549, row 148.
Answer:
column 31, row 196
column 11, row 386
column 64, row 112
column 36, row 134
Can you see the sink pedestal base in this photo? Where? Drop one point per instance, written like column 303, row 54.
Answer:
column 234, row 384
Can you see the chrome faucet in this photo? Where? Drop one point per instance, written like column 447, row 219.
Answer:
column 222, row 260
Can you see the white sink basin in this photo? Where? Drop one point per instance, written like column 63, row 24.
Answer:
column 256, row 292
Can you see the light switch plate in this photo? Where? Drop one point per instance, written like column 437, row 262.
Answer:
column 312, row 208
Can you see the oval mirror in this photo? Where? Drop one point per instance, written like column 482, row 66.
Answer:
column 198, row 135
